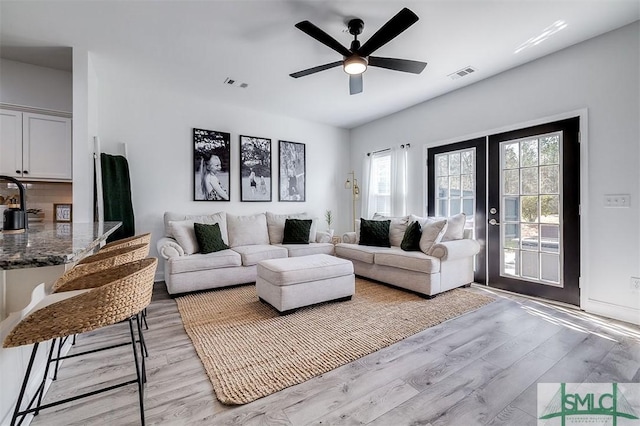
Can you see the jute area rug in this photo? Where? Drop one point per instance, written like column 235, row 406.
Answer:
column 249, row 351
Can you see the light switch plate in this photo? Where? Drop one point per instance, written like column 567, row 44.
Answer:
column 617, row 200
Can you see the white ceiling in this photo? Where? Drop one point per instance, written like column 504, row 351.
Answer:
column 194, row 45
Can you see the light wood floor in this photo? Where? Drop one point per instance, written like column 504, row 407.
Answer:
column 478, row 369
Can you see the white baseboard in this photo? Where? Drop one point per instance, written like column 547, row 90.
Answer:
column 622, row 313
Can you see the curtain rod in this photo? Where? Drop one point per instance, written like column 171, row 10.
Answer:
column 402, row 146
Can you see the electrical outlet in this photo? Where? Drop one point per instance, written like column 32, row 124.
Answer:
column 635, row 284
column 617, row 200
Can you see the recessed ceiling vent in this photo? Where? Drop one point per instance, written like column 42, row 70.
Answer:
column 461, row 73
column 233, row 82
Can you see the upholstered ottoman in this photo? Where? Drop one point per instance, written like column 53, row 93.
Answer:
column 293, row 282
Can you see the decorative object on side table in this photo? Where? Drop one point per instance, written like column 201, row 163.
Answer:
column 62, row 213
column 328, row 217
column 292, row 182
column 255, row 169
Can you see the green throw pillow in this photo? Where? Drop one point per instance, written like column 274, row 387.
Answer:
column 374, row 233
column 296, row 231
column 411, row 239
column 209, row 237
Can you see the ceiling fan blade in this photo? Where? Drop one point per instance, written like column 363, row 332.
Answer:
column 324, row 38
column 396, row 25
column 355, row 84
column 315, row 69
column 405, row 65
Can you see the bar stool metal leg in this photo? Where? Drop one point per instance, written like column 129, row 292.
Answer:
column 24, row 384
column 140, row 383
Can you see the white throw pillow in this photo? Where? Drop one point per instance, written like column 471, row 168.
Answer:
column 455, row 225
column 183, row 232
column 432, row 233
column 220, row 218
column 314, row 227
column 247, row 230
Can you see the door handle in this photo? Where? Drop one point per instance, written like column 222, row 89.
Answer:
column 493, row 222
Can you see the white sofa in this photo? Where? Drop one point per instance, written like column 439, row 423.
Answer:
column 251, row 239
column 448, row 265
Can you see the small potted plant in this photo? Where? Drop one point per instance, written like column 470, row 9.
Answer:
column 328, row 217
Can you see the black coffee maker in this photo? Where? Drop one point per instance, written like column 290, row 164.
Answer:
column 15, row 218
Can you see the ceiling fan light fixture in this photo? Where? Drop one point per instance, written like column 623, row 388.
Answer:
column 355, row 65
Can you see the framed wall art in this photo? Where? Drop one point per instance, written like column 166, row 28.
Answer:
column 292, row 178
column 211, row 165
column 255, row 169
column 62, row 213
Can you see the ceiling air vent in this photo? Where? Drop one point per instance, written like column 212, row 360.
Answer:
column 233, row 82
column 461, row 73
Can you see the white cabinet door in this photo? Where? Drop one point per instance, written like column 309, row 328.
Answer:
column 46, row 147
column 10, row 143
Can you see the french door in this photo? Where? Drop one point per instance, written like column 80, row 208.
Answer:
column 533, row 244
column 525, row 186
column 456, row 183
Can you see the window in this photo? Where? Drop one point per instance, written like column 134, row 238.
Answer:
column 380, row 194
column 455, row 184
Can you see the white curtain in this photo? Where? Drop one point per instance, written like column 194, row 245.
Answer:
column 375, row 198
column 398, row 181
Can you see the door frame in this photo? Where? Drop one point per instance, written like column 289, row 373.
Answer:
column 582, row 113
column 569, row 231
column 480, row 179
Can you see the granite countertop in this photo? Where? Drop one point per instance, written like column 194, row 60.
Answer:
column 48, row 244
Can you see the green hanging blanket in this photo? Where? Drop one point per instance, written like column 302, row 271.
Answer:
column 116, row 195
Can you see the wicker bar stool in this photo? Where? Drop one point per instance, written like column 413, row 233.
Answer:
column 126, row 242
column 95, row 263
column 98, row 262
column 123, row 292
column 102, row 260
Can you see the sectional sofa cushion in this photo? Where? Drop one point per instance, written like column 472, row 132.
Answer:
column 247, row 230
column 254, row 253
column 296, row 231
column 209, row 238
column 410, row 261
column 297, row 250
column 204, row 262
column 357, row 252
column 374, row 233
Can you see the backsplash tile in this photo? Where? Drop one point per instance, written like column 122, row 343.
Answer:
column 40, row 195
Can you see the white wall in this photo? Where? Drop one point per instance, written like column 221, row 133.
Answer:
column 34, row 86
column 85, row 126
column 602, row 75
column 156, row 123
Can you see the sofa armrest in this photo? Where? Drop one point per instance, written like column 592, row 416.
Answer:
column 349, row 237
column 168, row 248
column 457, row 249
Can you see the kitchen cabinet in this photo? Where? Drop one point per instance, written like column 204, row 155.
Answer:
column 35, row 146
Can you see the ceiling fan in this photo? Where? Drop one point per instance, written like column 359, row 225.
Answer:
column 357, row 58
